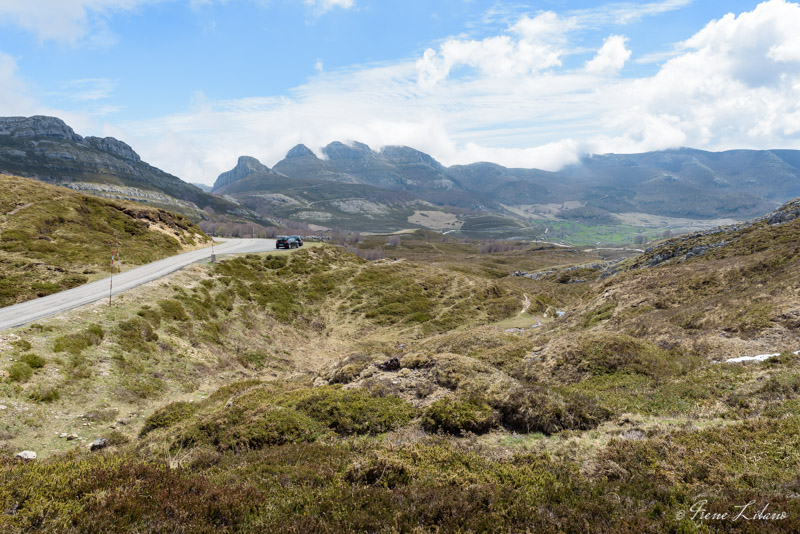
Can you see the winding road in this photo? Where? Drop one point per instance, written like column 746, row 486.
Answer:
column 33, row 310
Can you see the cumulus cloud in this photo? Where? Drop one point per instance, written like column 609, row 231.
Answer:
column 611, row 57
column 737, row 82
column 532, row 45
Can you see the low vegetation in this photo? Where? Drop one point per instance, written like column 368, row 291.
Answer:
column 319, row 391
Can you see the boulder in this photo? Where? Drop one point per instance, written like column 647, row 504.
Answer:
column 99, row 443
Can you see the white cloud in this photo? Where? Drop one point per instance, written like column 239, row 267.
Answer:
column 69, row 21
column 532, row 45
column 322, row 6
column 13, row 90
column 611, row 57
column 89, row 89
column 629, row 12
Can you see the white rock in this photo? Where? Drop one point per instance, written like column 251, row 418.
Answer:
column 319, row 382
column 27, row 455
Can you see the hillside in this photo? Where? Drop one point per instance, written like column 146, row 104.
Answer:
column 610, row 199
column 53, row 238
column 47, row 149
column 433, row 389
column 349, row 206
column 673, row 183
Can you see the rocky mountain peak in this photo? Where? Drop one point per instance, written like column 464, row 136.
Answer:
column 113, row 146
column 337, row 150
column 299, row 151
column 404, row 154
column 246, row 166
column 37, row 126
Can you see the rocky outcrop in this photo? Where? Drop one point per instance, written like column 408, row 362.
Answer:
column 407, row 155
column 114, row 146
column 244, row 167
column 47, row 149
column 37, row 126
column 788, row 212
column 55, row 128
column 300, row 151
column 337, row 150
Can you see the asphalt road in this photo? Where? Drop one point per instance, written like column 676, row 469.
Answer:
column 33, row 310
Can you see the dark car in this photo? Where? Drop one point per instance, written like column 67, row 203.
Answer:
column 290, row 241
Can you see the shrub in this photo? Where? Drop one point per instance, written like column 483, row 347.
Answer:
column 136, row 335
column 167, row 416
column 20, row 372
column 76, row 343
column 537, row 409
column 45, row 394
column 456, row 416
column 73, row 344
column 150, row 315
column 116, row 438
column 782, row 386
column 94, row 334
column 354, row 411
column 379, row 471
column 21, row 345
column 33, row 360
column 608, row 353
column 173, row 310
column 237, row 429
column 348, row 369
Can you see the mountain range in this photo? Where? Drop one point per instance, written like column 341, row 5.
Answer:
column 351, row 185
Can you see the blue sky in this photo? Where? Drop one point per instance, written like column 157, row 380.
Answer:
column 191, row 85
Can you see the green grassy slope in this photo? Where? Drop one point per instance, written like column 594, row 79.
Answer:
column 52, row 238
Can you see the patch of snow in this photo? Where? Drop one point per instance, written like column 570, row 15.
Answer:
column 560, row 313
column 757, row 358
